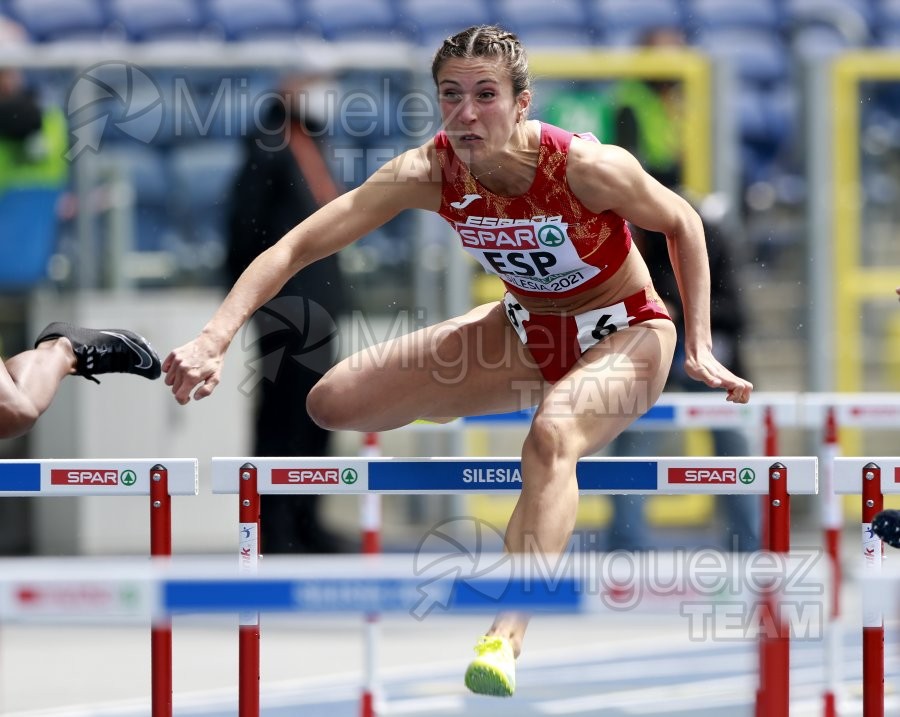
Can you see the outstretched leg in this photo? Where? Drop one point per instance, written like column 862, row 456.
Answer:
column 28, row 383
column 29, row 380
column 468, row 365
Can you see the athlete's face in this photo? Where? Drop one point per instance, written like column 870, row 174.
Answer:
column 478, row 108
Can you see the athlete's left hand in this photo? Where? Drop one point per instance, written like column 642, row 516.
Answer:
column 707, row 369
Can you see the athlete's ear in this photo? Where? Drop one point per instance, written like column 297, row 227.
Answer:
column 523, row 104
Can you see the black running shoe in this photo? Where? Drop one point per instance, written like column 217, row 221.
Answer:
column 887, row 527
column 106, row 351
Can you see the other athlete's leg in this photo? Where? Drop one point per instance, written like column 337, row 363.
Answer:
column 28, row 383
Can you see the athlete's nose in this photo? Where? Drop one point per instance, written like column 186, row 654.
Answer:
column 467, row 112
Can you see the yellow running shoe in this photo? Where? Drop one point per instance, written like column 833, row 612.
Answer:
column 493, row 671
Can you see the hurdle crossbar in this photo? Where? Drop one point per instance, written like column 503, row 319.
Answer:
column 449, row 475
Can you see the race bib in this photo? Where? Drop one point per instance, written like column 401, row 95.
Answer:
column 517, row 315
column 596, row 325
column 531, row 255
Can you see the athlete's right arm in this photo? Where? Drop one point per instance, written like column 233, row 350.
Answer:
column 404, row 183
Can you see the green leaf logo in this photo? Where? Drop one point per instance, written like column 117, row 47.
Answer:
column 551, row 235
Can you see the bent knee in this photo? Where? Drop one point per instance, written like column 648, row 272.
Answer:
column 551, row 439
column 17, row 420
column 326, row 408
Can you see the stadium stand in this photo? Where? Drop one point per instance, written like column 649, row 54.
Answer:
column 362, row 20
column 764, row 40
column 240, row 21
column 623, row 22
column 157, row 20
column 762, row 15
column 60, row 20
column 429, row 22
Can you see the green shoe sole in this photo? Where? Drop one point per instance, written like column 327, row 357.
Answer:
column 485, row 680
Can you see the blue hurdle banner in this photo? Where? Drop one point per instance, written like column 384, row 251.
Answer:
column 489, row 475
column 78, row 590
column 80, row 476
column 849, row 474
column 123, row 591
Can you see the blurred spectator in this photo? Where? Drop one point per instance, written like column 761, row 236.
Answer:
column 644, row 117
column 33, row 139
column 33, row 175
column 647, row 115
column 284, row 178
column 741, row 514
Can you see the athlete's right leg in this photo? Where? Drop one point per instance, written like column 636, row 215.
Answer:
column 28, row 383
column 469, row 365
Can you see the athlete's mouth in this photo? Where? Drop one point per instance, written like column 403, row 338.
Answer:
column 469, row 137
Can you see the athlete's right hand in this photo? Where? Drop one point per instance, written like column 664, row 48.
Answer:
column 195, row 365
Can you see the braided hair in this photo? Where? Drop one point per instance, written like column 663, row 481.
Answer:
column 486, row 41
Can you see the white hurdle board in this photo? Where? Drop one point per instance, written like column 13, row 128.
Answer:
column 88, row 476
column 848, row 474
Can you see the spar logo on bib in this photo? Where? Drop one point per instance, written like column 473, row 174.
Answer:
column 526, row 253
column 551, row 235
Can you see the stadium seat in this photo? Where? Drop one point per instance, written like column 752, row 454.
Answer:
column 148, row 20
column 741, row 14
column 202, row 175
column 757, row 56
column 143, row 168
column 348, row 20
column 886, row 21
column 889, row 36
column 239, row 20
column 530, row 13
column 535, row 37
column 562, row 24
column 850, row 18
column 624, row 22
column 210, row 103
column 56, row 20
column 28, row 236
column 766, row 117
column 431, row 22
column 815, row 42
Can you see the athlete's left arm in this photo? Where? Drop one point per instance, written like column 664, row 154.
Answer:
column 606, row 177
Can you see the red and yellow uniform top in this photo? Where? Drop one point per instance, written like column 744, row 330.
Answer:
column 544, row 242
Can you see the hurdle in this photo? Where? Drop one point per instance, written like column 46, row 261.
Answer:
column 249, row 477
column 872, row 478
column 828, row 414
column 824, row 414
column 158, row 479
column 160, row 589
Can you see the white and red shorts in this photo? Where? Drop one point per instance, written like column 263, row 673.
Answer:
column 557, row 341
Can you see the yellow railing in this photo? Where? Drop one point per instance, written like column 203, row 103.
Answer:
column 691, row 68
column 854, row 284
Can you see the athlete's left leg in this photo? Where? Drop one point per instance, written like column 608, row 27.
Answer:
column 612, row 385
